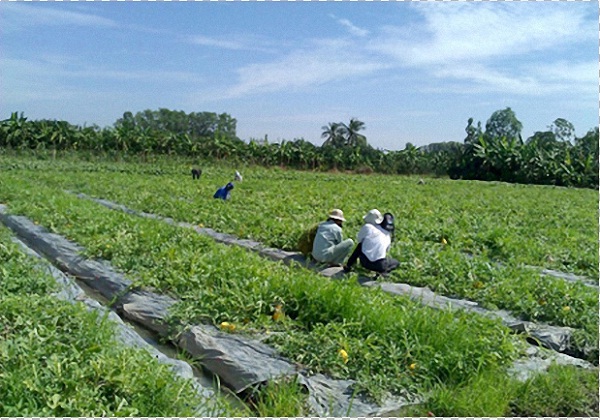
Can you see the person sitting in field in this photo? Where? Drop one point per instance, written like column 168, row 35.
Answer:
column 374, row 241
column 224, row 193
column 329, row 246
column 238, row 176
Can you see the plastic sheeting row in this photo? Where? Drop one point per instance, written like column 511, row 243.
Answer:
column 552, row 337
column 240, row 362
column 69, row 291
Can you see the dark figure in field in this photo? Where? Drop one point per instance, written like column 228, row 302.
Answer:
column 196, row 173
column 374, row 241
column 224, row 192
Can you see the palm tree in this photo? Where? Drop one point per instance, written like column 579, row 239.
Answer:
column 332, row 133
column 351, row 130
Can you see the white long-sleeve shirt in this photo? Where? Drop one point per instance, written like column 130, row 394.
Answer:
column 376, row 241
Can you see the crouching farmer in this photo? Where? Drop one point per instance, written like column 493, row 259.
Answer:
column 374, row 241
column 329, row 246
column 224, row 193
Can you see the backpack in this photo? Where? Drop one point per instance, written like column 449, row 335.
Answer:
column 388, row 223
column 305, row 242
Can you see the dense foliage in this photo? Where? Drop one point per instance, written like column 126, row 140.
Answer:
column 553, row 157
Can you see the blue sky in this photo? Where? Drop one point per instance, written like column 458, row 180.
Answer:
column 411, row 71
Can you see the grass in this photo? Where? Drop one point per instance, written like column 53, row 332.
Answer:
column 562, row 391
column 57, row 359
column 218, row 283
column 282, row 398
column 443, row 268
column 541, row 397
column 537, row 225
column 391, row 344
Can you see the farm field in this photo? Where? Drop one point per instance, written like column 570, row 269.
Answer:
column 58, row 358
column 466, row 239
column 493, row 232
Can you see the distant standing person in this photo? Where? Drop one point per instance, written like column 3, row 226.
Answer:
column 224, row 193
column 374, row 241
column 196, row 173
column 329, row 246
column 238, row 176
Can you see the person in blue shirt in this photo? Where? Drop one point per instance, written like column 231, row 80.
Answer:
column 329, row 246
column 224, row 193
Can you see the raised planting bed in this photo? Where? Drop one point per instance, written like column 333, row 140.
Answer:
column 562, row 339
column 66, row 356
column 377, row 344
column 549, row 227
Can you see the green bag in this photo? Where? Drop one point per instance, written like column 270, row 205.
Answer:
column 305, row 242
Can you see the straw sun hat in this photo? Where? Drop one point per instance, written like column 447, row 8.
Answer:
column 337, row 214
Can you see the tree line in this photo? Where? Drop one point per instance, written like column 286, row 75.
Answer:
column 553, row 157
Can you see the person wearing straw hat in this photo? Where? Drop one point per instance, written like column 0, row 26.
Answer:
column 329, row 246
column 374, row 240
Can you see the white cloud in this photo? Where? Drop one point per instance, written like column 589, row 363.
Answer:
column 353, row 29
column 485, row 47
column 220, row 43
column 63, row 68
column 329, row 60
column 59, row 78
column 480, row 78
column 242, row 42
column 584, row 74
column 479, row 32
column 15, row 17
column 465, row 45
column 531, row 79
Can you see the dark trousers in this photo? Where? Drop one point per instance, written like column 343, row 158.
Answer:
column 383, row 265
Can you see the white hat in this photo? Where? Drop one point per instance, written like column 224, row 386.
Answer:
column 373, row 216
column 337, row 214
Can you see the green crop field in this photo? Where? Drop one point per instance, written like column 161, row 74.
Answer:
column 486, row 242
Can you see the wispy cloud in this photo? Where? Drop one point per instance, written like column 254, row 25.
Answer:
column 219, row 43
column 580, row 73
column 327, row 61
column 234, row 42
column 462, row 44
column 61, row 67
column 480, row 33
column 471, row 44
column 479, row 78
column 353, row 29
column 17, row 16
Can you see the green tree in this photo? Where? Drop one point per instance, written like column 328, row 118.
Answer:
column 563, row 130
column 16, row 131
column 585, row 153
column 333, row 135
column 473, row 133
column 351, row 133
column 504, row 123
